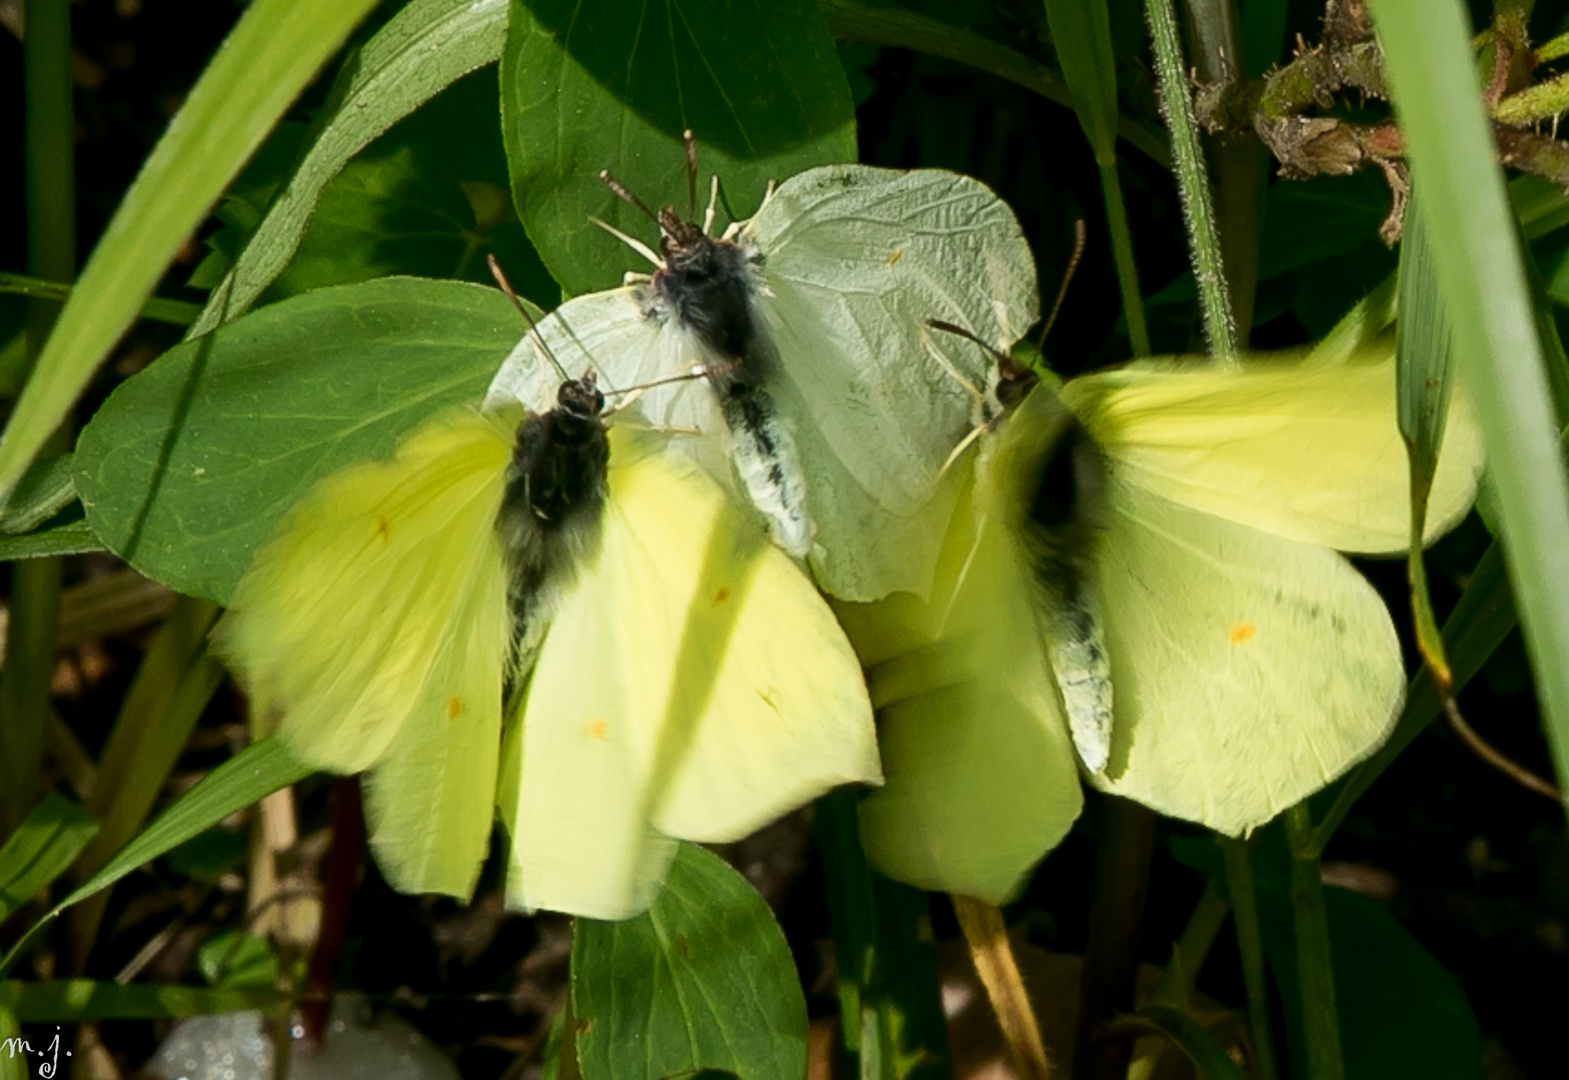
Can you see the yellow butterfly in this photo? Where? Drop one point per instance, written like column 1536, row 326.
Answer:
column 675, row 677
column 1184, row 580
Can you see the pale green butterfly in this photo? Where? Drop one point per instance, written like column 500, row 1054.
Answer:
column 1243, row 662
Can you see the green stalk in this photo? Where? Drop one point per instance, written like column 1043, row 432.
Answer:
column 1315, row 971
column 1250, row 941
column 51, row 253
column 1111, row 955
column 1081, row 31
column 1220, row 328
column 1241, row 164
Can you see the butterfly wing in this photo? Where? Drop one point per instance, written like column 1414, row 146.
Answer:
column 373, row 628
column 856, row 260
column 980, row 781
column 693, row 685
column 1250, row 669
column 1309, row 451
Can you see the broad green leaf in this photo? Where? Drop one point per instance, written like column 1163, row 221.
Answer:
column 1430, row 66
column 76, row 538
column 258, row 770
column 66, row 1001
column 41, row 848
column 188, row 464
column 702, row 980
column 611, row 84
column 271, row 55
column 426, row 46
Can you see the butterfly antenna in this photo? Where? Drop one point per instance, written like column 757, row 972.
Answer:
column 626, row 196
column 533, row 327
column 690, row 142
column 713, row 199
column 964, row 444
column 630, row 241
column 696, row 371
column 1067, row 276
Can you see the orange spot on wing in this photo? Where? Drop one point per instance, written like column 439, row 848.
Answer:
column 1242, row 631
column 454, row 707
column 596, row 729
column 896, row 256
column 721, row 595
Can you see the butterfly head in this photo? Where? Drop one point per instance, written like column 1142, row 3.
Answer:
column 581, row 398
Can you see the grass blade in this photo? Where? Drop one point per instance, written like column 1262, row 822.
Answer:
column 1477, row 259
column 273, row 52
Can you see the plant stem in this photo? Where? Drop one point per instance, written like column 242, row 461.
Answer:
column 1315, row 971
column 51, row 253
column 1192, row 183
column 1111, row 956
column 1250, row 941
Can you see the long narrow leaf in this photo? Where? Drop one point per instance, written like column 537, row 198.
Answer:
column 422, row 50
column 273, row 52
column 259, row 770
column 1477, row 258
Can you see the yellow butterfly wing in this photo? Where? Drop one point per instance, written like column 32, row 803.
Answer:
column 1303, row 449
column 372, row 628
column 979, row 775
column 693, row 685
column 1249, row 669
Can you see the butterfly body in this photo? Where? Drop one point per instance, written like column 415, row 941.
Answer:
column 1054, row 480
column 549, row 521
column 707, row 289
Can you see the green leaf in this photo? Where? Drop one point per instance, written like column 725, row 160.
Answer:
column 1186, row 1033
column 273, row 52
column 1432, row 74
column 258, row 770
column 156, row 309
column 234, row 960
column 188, row 465
column 65, row 1001
column 1424, row 355
column 702, row 980
column 41, row 848
column 1402, row 1014
column 611, row 84
column 76, row 538
column 426, row 46
column 44, row 490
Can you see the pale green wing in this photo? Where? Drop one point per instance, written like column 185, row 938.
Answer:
column 343, row 616
column 694, row 685
column 431, row 800
column 1306, row 450
column 979, row 774
column 1250, row 670
column 856, row 260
